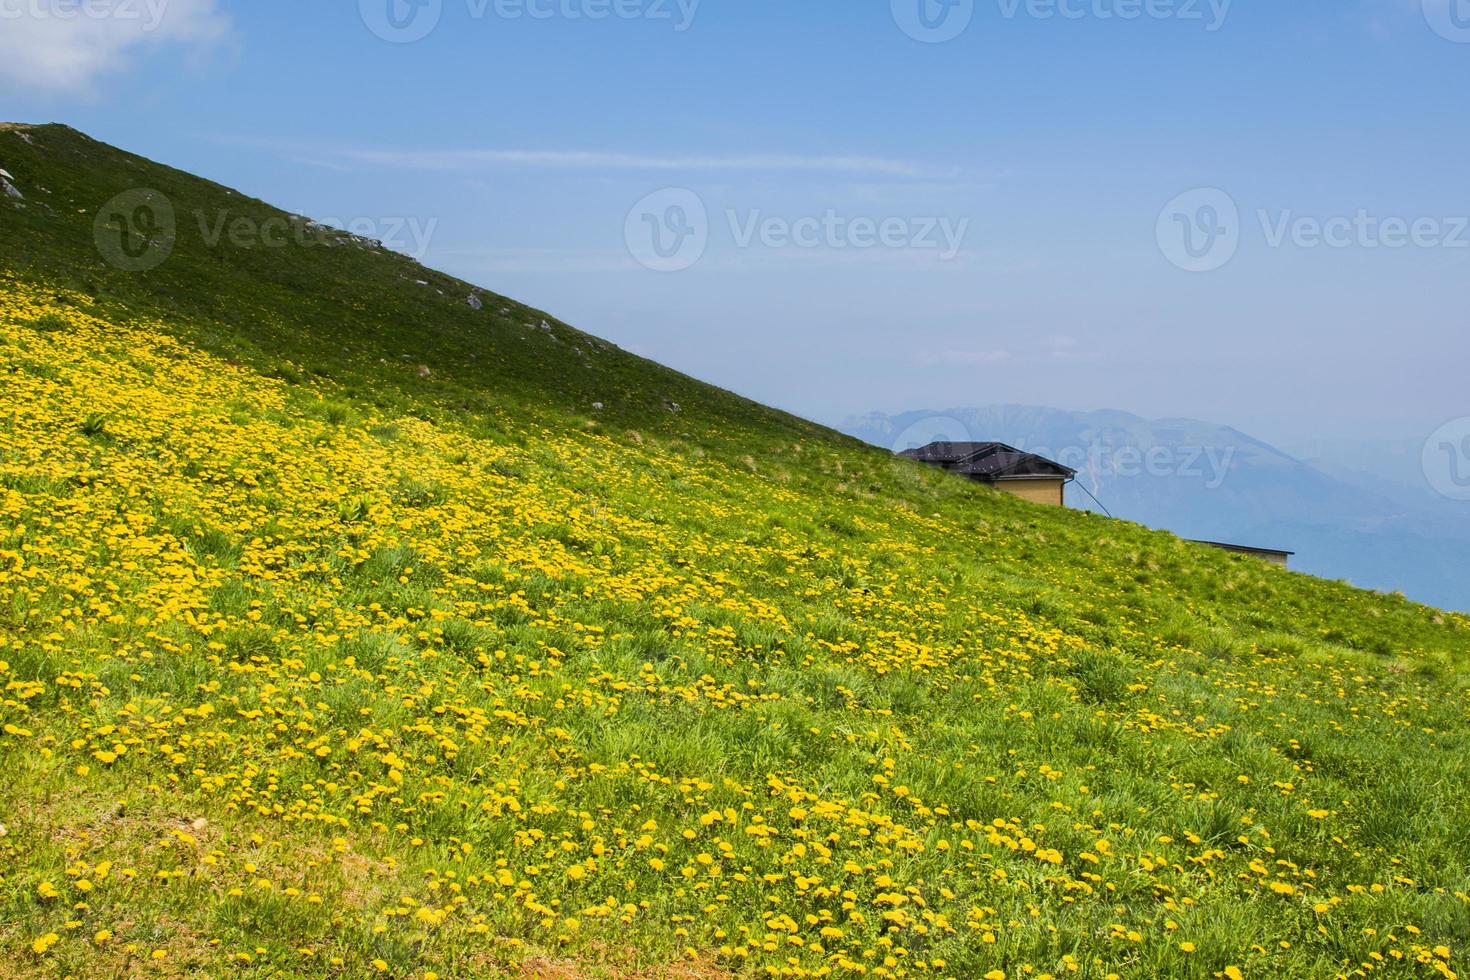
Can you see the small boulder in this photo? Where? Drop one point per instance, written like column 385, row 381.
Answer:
column 475, row 303
column 10, row 190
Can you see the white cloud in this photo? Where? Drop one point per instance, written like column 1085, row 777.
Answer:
column 66, row 46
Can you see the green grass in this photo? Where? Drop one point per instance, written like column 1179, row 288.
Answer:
column 318, row 664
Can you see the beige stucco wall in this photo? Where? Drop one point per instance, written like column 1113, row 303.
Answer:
column 1040, row 491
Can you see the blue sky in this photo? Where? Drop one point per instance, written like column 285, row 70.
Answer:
column 872, row 221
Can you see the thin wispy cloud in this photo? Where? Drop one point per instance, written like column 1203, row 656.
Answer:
column 468, row 160
column 556, row 260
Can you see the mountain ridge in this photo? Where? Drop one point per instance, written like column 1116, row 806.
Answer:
column 1219, row 483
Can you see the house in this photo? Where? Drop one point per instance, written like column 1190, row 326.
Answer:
column 1007, row 468
column 1282, row 558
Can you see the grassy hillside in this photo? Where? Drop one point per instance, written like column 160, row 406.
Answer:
column 341, row 635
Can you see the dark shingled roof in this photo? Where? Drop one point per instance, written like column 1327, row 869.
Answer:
column 952, row 452
column 1006, row 465
column 988, row 460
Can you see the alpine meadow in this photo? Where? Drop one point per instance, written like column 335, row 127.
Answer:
column 356, row 622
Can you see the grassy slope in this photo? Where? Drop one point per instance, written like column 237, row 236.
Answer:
column 317, row 663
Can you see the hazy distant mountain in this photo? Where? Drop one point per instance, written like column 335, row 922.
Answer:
column 1202, row 480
